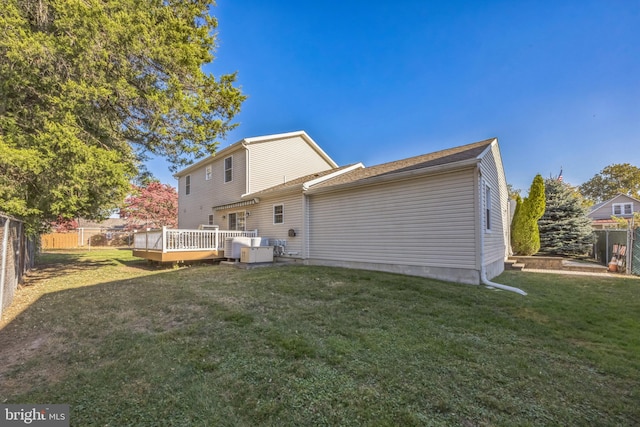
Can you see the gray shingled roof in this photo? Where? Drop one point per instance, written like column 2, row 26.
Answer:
column 296, row 183
column 443, row 157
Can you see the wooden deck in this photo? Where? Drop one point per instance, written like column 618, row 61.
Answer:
column 175, row 245
column 177, row 256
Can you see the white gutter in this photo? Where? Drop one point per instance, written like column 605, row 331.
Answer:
column 483, row 272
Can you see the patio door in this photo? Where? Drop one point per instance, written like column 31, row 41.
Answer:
column 237, row 221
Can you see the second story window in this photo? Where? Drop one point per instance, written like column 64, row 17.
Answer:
column 622, row 208
column 228, row 169
column 207, row 173
column 187, row 184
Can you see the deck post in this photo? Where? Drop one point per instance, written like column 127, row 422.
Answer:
column 164, row 239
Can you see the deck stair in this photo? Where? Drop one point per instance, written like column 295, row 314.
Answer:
column 513, row 264
column 552, row 263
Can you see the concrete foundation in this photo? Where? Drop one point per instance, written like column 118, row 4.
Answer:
column 458, row 275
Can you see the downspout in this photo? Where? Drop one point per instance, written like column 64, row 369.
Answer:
column 483, row 272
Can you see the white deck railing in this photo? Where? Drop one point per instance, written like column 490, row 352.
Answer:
column 176, row 240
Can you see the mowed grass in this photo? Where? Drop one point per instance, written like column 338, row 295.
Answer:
column 128, row 344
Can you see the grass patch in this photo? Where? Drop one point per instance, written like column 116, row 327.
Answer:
column 128, row 344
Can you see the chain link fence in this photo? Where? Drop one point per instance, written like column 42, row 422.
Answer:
column 17, row 256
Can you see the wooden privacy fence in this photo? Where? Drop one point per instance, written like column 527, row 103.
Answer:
column 60, row 240
column 86, row 237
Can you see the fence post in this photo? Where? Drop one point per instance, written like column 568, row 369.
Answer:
column 3, row 276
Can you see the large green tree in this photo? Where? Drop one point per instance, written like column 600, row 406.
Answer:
column 617, row 178
column 89, row 88
column 525, row 237
column 565, row 228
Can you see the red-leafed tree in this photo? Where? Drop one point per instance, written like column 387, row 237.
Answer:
column 63, row 225
column 151, row 206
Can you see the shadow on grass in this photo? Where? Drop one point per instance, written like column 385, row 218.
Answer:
column 306, row 345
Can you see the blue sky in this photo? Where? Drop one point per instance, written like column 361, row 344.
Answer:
column 557, row 82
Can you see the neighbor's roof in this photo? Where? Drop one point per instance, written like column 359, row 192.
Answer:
column 451, row 156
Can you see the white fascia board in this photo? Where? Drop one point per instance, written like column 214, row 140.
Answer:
column 225, row 151
column 299, row 133
column 309, row 184
column 494, row 142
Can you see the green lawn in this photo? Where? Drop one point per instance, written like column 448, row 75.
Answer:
column 125, row 343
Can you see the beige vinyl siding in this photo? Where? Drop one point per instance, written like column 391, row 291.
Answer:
column 194, row 208
column 603, row 212
column 277, row 161
column 495, row 241
column 426, row 221
column 261, row 218
column 606, row 210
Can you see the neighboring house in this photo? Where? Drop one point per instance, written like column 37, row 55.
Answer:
column 621, row 206
column 443, row 215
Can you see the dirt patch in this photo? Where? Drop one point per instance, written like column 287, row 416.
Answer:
column 18, row 374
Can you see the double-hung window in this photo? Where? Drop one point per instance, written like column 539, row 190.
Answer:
column 622, row 208
column 187, row 184
column 487, row 208
column 278, row 214
column 228, row 169
column 207, row 173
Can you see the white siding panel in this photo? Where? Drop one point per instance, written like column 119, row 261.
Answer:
column 194, row 208
column 496, row 241
column 276, row 161
column 261, row 218
column 426, row 221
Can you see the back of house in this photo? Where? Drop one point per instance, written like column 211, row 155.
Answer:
column 442, row 215
column 211, row 191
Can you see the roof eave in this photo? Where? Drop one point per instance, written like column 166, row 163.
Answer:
column 388, row 177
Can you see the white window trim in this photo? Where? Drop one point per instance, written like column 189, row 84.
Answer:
column 486, row 207
column 622, row 210
column 187, row 185
column 239, row 215
column 229, row 169
column 281, row 214
column 208, row 173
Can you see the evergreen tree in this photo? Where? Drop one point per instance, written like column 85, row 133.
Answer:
column 89, row 88
column 525, row 237
column 565, row 228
